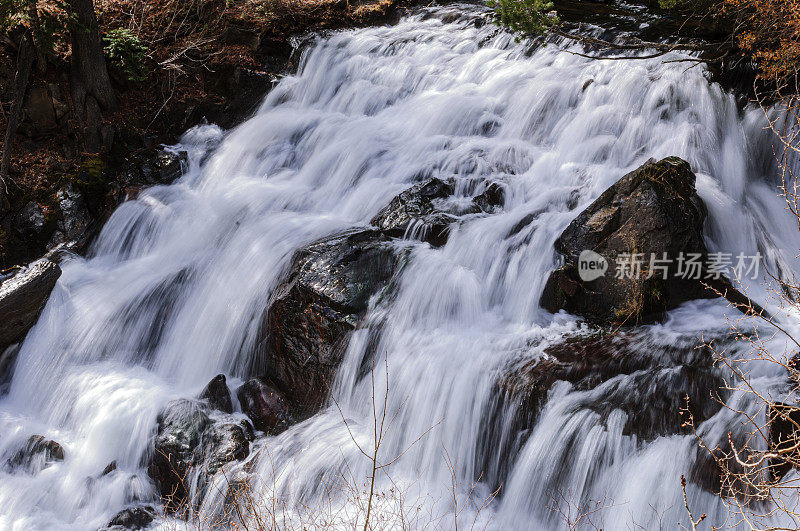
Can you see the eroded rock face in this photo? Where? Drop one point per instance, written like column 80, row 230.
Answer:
column 74, row 218
column 313, row 311
column 652, row 210
column 189, row 437
column 22, row 297
column 648, row 381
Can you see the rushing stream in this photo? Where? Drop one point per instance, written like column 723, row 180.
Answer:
column 171, row 291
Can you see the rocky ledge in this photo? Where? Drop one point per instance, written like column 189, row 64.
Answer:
column 22, row 297
column 649, row 381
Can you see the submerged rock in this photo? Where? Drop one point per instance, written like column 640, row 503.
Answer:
column 38, row 453
column 266, row 407
column 653, row 211
column 646, row 380
column 422, row 212
column 133, row 518
column 313, row 311
column 22, row 297
column 417, row 209
column 217, row 395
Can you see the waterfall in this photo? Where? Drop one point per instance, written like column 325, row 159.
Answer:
column 172, row 291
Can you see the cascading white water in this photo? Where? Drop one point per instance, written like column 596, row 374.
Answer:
column 172, row 291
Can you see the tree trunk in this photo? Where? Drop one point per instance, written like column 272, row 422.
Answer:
column 24, row 64
column 36, row 31
column 90, row 83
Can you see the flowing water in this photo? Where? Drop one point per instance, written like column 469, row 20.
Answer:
column 172, row 291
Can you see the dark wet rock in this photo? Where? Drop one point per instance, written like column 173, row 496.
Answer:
column 419, row 205
column 313, row 311
column 492, row 197
column 647, row 380
column 188, row 437
column 653, row 210
column 112, row 466
column 181, row 426
column 226, row 441
column 266, row 406
column 133, row 518
column 217, row 394
column 422, row 211
column 8, row 358
column 784, row 435
column 22, row 297
column 30, row 220
column 74, row 218
column 157, row 167
column 38, row 453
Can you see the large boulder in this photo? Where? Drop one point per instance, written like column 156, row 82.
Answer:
column 188, row 437
column 313, row 311
column 224, row 442
column 653, row 211
column 647, row 380
column 22, row 297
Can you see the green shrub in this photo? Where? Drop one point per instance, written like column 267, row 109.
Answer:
column 127, row 54
column 529, row 17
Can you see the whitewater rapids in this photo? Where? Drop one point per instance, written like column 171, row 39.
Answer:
column 369, row 113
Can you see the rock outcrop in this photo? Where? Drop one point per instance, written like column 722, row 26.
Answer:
column 646, row 380
column 22, row 297
column 217, row 394
column 314, row 310
column 132, row 518
column 38, row 453
column 266, row 406
column 418, row 209
column 190, row 435
column 653, row 212
column 422, row 211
